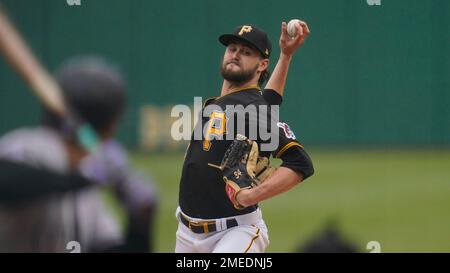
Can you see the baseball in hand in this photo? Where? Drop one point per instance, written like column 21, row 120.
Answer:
column 291, row 30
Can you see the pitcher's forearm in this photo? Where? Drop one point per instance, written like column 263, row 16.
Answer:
column 278, row 78
column 281, row 181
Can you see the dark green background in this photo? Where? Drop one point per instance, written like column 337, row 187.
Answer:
column 367, row 75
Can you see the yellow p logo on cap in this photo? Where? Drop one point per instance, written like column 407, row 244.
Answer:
column 245, row 29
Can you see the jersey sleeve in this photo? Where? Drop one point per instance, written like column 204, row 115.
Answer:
column 272, row 97
column 292, row 152
column 298, row 160
column 286, row 139
column 277, row 139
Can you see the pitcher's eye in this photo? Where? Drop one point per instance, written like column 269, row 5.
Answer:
column 232, row 49
column 247, row 52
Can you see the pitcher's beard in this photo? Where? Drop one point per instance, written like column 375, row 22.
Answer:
column 237, row 77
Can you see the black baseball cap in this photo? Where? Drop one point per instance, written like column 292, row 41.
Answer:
column 252, row 35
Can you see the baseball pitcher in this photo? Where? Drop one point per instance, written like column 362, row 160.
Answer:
column 226, row 173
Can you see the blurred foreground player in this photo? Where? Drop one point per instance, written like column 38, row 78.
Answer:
column 97, row 93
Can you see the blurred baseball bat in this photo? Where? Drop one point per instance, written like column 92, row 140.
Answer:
column 20, row 57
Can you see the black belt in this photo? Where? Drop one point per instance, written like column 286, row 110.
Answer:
column 205, row 226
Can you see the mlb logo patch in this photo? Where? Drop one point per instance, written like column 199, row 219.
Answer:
column 287, row 130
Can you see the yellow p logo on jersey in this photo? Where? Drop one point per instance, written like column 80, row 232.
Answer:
column 245, row 29
column 216, row 127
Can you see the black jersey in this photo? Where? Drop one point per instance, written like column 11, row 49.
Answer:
column 202, row 193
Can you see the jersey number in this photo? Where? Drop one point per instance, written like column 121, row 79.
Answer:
column 216, row 128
